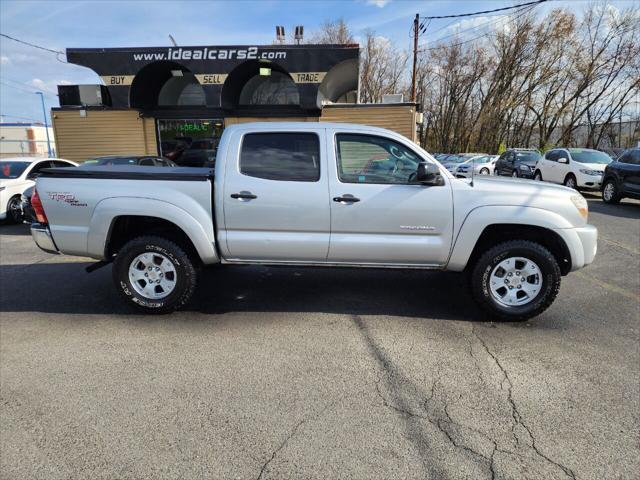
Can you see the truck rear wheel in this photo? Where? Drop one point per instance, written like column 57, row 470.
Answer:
column 154, row 274
column 515, row 280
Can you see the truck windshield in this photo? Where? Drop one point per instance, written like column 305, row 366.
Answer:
column 589, row 156
column 12, row 169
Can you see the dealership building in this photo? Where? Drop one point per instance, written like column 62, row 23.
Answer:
column 176, row 101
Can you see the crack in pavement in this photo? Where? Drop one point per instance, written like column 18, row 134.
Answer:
column 292, row 434
column 515, row 413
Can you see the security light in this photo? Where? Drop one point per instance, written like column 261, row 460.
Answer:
column 299, row 33
column 280, row 33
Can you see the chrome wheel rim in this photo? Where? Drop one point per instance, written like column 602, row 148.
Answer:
column 570, row 183
column 484, row 171
column 152, row 275
column 515, row 281
column 609, row 191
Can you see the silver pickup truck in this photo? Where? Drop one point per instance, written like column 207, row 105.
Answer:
column 316, row 194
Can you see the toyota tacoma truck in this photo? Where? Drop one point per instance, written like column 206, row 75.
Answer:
column 316, row 194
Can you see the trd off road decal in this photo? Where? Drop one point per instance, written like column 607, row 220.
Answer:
column 66, row 197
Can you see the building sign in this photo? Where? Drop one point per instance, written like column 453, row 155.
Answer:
column 216, row 75
column 211, row 78
column 117, row 80
column 308, row 77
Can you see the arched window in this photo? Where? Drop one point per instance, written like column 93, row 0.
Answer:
column 277, row 88
column 182, row 90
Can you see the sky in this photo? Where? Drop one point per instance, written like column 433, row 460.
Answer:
column 147, row 23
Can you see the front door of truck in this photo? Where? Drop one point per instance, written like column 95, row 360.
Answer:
column 275, row 197
column 377, row 215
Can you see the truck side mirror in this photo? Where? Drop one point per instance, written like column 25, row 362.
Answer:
column 428, row 174
column 563, row 160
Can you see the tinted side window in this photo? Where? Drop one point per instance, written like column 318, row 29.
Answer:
column 631, row 157
column 371, row 159
column 58, row 164
column 37, row 167
column 281, row 156
column 147, row 162
column 552, row 156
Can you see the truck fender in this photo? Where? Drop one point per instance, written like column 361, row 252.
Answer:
column 196, row 223
column 480, row 218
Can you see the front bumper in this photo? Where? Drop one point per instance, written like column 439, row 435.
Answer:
column 593, row 182
column 582, row 243
column 42, row 236
column 525, row 173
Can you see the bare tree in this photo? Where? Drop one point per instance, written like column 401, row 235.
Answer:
column 334, row 32
column 381, row 68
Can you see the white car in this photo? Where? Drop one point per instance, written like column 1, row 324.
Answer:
column 482, row 165
column 17, row 174
column 573, row 167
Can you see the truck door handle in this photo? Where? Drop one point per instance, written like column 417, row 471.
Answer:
column 346, row 198
column 244, row 195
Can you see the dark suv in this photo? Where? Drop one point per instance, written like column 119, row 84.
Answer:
column 622, row 177
column 518, row 162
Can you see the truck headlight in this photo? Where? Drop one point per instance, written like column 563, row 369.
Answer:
column 581, row 205
column 590, row 172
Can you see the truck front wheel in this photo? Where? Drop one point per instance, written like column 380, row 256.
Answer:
column 515, row 280
column 154, row 274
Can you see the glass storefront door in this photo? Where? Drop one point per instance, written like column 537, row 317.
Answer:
column 190, row 143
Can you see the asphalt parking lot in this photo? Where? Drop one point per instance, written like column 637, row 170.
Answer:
column 319, row 373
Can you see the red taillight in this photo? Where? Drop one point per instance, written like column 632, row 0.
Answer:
column 38, row 209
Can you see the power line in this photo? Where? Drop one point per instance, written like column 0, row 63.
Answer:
column 453, row 22
column 486, row 11
column 28, row 85
column 21, row 118
column 25, row 90
column 520, row 14
column 482, row 25
column 31, row 44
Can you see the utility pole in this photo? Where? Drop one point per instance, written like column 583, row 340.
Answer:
column 416, row 26
column 46, row 126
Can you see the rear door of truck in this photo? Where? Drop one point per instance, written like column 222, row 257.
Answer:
column 275, row 196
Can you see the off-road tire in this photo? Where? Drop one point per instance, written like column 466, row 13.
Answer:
column 186, row 274
column 480, row 274
column 615, row 197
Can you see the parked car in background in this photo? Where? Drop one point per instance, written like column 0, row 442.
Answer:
column 479, row 165
column 142, row 160
column 452, row 162
column 28, row 214
column 573, row 167
column 622, row 177
column 517, row 162
column 201, row 153
column 18, row 174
